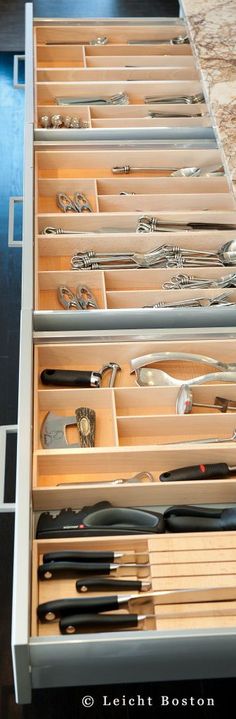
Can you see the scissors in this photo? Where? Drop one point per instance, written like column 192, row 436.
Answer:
column 81, row 299
column 79, row 203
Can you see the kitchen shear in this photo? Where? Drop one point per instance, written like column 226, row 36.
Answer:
column 79, row 203
column 81, row 299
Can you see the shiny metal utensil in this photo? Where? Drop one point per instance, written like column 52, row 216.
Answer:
column 164, row 113
column 139, row 478
column 216, row 170
column 178, row 40
column 179, row 282
column 156, row 357
column 153, row 224
column 210, row 440
column 81, row 299
column 179, row 100
column 102, row 40
column 184, row 402
column 79, row 203
column 106, row 230
column 195, row 302
column 147, row 377
column 121, row 98
column 174, row 171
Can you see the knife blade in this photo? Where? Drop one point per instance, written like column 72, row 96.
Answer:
column 54, row 609
column 55, row 570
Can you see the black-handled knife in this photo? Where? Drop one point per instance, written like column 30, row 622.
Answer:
column 100, row 622
column 94, row 584
column 83, row 555
column 54, row 609
column 200, row 471
column 71, row 378
column 54, row 570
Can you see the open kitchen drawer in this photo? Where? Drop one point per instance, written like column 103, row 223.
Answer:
column 176, row 643
column 117, row 201
column 88, row 58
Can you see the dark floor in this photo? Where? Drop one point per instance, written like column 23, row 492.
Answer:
column 60, row 703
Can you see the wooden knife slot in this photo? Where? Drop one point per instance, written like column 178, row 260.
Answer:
column 183, row 561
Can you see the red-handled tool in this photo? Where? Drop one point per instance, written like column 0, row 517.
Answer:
column 198, row 471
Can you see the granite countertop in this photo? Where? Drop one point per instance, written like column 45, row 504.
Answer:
column 212, row 30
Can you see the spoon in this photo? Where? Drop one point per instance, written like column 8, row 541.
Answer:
column 147, row 377
column 184, row 402
column 185, row 99
column 199, row 171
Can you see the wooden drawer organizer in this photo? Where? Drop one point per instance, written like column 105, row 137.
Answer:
column 138, row 70
column 181, row 199
column 183, row 561
column 134, row 425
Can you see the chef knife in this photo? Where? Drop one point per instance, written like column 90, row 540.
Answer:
column 54, row 609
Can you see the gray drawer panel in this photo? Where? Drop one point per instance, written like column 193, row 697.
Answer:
column 150, row 658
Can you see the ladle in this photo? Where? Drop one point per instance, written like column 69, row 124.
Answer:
column 184, row 402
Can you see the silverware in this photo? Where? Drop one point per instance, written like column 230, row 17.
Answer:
column 79, row 203
column 155, row 357
column 147, row 377
column 81, row 299
column 184, row 402
column 178, row 40
column 174, row 171
column 102, row 40
column 179, row 100
column 195, row 302
column 179, row 282
column 139, row 478
column 153, row 224
column 164, row 113
column 121, row 98
column 210, row 440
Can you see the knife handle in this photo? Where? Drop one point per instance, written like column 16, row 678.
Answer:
column 98, row 622
column 57, row 569
column 201, row 471
column 86, row 425
column 79, row 556
column 70, row 378
column 57, row 608
column 92, row 584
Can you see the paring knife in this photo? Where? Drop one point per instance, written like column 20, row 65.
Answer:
column 54, row 570
column 97, row 584
column 55, row 609
column 100, row 622
column 73, row 555
column 200, row 471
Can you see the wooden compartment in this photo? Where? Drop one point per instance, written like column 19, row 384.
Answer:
column 139, row 423
column 185, row 561
column 48, row 92
column 64, row 403
column 116, row 74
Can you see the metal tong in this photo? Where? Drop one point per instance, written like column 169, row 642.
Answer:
column 179, row 282
column 179, row 100
column 79, row 203
column 121, row 98
column 81, row 299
